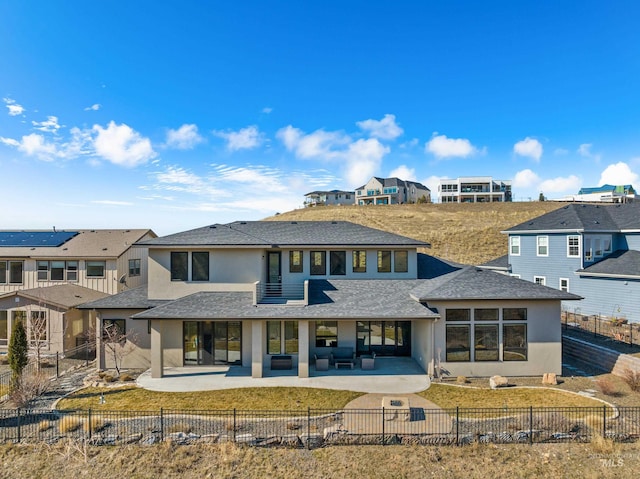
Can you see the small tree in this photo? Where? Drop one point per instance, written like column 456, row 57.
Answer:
column 18, row 351
column 116, row 342
column 541, row 197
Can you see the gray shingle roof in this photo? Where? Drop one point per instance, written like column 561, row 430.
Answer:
column 498, row 263
column 471, row 283
column 341, row 299
column 136, row 298
column 619, row 263
column 65, row 295
column 285, row 233
column 586, row 217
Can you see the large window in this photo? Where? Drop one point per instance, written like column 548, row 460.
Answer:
column 458, row 343
column 598, row 247
column 485, row 314
column 514, row 338
column 326, row 334
column 542, row 243
column 401, row 261
column 486, row 342
column 95, row 269
column 134, row 267
column 573, row 246
column 295, row 261
column 337, row 262
column 179, row 266
column 360, row 261
column 514, row 245
column 57, row 270
column 274, row 337
column 200, row 266
column 458, row 314
column 384, row 261
column 318, row 262
column 11, row 272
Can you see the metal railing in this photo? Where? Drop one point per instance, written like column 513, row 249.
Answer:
column 319, row 427
column 616, row 329
column 280, row 293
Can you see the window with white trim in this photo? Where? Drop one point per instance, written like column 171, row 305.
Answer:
column 134, row 267
column 542, row 243
column 564, row 284
column 514, row 245
column 95, row 269
column 540, row 280
column 573, row 246
column 588, row 253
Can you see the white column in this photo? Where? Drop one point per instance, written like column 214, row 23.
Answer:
column 97, row 325
column 303, row 349
column 257, row 344
column 157, row 352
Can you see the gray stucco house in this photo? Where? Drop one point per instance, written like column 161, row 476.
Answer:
column 244, row 293
column 592, row 250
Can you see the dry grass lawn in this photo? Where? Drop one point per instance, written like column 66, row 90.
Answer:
column 464, row 233
column 584, row 461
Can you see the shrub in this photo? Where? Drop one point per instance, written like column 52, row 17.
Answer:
column 29, row 387
column 462, row 380
column 69, row 424
column 108, row 378
column 125, row 377
column 632, row 378
column 607, row 387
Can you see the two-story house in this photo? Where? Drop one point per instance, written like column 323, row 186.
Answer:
column 44, row 275
column 245, row 292
column 329, row 198
column 391, row 191
column 474, row 189
column 587, row 249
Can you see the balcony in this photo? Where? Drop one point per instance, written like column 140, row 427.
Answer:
column 290, row 294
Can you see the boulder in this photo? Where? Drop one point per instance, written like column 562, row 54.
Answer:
column 498, row 382
column 550, row 379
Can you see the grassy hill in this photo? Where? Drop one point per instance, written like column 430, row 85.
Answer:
column 465, row 233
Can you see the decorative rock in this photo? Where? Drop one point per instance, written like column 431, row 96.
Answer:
column 311, row 440
column 498, row 382
column 290, row 440
column 149, row 440
column 210, row 438
column 248, row 439
column 550, row 379
column 132, row 438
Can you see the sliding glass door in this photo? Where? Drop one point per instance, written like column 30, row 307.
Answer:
column 385, row 338
column 212, row 342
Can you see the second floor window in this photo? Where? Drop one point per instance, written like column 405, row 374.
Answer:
column 337, row 262
column 95, row 269
column 11, row 272
column 200, row 266
column 543, row 245
column 401, row 261
column 57, row 270
column 134, row 267
column 573, row 246
column 384, row 261
column 318, row 263
column 179, row 266
column 514, row 245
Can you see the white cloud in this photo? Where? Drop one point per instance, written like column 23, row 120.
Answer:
column 243, row 139
column 618, row 174
column 410, row 144
column 569, row 184
column 525, row 179
column 10, row 142
column 33, row 145
column 385, row 129
column 94, row 107
column 443, row 147
column 432, row 183
column 121, row 145
column 529, row 147
column 50, row 125
column 585, row 150
column 363, row 159
column 404, row 173
column 184, row 138
column 320, row 144
column 267, row 110
column 560, row 151
column 14, row 108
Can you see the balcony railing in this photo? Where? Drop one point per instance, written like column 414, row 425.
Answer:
column 295, row 294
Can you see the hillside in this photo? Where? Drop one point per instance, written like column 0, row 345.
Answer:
column 465, row 233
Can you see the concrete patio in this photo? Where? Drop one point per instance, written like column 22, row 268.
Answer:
column 391, row 375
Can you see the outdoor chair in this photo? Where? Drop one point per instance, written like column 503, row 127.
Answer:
column 368, row 361
column 322, row 363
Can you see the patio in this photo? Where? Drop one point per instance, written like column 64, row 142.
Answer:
column 395, row 375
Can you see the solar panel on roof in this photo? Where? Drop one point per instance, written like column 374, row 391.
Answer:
column 35, row 238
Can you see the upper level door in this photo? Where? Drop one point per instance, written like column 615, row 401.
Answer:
column 274, row 273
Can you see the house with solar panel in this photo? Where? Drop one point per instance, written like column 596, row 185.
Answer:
column 592, row 250
column 44, row 275
column 261, row 297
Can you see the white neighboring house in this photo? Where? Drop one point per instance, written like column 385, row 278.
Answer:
column 603, row 194
column 391, row 191
column 44, row 275
column 328, row 198
column 474, row 189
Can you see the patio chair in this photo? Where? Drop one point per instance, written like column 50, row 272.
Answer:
column 322, row 363
column 368, row 361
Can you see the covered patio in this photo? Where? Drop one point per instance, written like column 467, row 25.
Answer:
column 398, row 375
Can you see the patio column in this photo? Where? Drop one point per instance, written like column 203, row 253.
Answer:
column 157, row 352
column 303, row 349
column 257, row 342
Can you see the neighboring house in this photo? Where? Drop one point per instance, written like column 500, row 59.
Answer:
column 590, row 250
column 45, row 274
column 499, row 265
column 474, row 189
column 391, row 191
column 328, row 198
column 603, row 194
column 245, row 292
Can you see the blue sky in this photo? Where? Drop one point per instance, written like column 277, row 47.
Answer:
column 174, row 115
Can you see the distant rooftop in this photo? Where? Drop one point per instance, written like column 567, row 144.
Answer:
column 35, row 238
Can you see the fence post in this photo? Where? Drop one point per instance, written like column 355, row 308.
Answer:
column 531, row 425
column 19, row 429
column 89, row 423
column 57, row 364
column 308, row 427
column 383, row 441
column 457, row 425
column 234, row 424
column 162, row 424
column 604, row 421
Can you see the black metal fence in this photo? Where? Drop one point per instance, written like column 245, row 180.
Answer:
column 52, row 365
column 316, row 428
column 617, row 329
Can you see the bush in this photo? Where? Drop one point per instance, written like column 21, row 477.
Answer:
column 108, row 378
column 28, row 388
column 632, row 378
column 462, row 380
column 607, row 387
column 124, row 377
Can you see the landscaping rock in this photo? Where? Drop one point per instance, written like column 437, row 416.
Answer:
column 498, row 382
column 312, row 440
column 550, row 379
column 132, row 438
column 210, row 438
column 290, row 440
